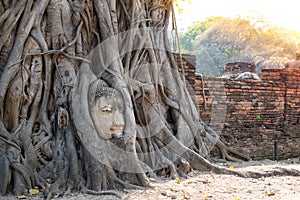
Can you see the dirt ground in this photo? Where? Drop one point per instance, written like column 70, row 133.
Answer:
column 214, row 186
column 228, row 187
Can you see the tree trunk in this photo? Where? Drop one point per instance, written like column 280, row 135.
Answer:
column 91, row 98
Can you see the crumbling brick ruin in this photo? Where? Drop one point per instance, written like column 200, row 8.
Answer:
column 250, row 114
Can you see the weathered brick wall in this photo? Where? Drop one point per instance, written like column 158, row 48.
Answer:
column 189, row 70
column 239, row 67
column 249, row 115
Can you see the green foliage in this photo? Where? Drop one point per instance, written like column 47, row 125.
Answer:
column 217, row 41
column 202, row 26
column 188, row 39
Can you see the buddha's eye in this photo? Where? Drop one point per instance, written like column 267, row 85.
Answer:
column 107, row 109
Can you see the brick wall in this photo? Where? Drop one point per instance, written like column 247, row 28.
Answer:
column 239, row 67
column 249, row 115
column 189, row 70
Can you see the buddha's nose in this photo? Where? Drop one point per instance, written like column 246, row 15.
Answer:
column 118, row 119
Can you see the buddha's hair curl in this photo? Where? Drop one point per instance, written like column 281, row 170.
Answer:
column 100, row 88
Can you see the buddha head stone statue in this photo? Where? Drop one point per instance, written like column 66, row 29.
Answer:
column 106, row 107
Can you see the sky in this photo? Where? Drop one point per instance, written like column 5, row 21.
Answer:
column 278, row 12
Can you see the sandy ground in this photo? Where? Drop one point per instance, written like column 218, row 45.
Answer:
column 228, row 187
column 214, row 186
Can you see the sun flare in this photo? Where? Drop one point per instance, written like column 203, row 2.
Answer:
column 281, row 13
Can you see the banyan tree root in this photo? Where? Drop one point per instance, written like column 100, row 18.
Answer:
column 226, row 151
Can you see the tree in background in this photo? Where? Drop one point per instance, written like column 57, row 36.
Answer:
column 188, row 39
column 217, row 41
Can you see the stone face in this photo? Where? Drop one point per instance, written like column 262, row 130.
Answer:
column 250, row 114
column 106, row 108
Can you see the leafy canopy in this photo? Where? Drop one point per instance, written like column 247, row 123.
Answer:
column 218, row 40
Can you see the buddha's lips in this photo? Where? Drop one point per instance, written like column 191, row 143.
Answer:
column 117, row 129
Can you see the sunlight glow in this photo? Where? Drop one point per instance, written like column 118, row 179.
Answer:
column 281, row 13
